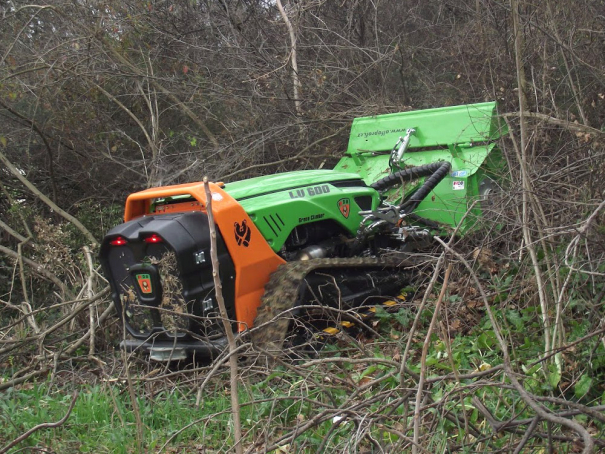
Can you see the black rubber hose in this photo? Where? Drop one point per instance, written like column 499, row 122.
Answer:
column 424, row 190
column 406, row 175
column 437, row 171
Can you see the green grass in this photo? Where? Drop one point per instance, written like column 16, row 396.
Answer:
column 103, row 420
column 277, row 402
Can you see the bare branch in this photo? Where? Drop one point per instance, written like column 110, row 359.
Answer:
column 46, row 200
column 46, row 425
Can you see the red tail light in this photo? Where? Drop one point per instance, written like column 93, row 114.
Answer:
column 119, row 241
column 153, row 239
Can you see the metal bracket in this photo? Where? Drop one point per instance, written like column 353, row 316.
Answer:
column 199, row 257
column 207, row 304
column 389, row 213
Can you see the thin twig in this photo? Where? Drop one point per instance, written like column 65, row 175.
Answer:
column 52, row 205
column 527, row 398
column 425, row 349
column 89, row 293
column 46, row 425
column 218, row 292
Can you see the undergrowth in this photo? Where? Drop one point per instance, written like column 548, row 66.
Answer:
column 351, row 398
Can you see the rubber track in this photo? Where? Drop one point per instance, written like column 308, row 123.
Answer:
column 282, row 293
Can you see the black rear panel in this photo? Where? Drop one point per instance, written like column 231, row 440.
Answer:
column 163, row 287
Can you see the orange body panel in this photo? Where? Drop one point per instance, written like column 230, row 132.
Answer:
column 178, row 207
column 253, row 258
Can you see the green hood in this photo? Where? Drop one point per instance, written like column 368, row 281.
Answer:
column 268, row 184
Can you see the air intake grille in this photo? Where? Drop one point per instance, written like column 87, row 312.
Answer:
column 275, row 223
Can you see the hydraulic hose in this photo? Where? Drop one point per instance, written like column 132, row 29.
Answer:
column 406, row 175
column 431, row 183
column 435, row 172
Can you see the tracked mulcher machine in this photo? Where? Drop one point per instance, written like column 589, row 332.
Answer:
column 295, row 241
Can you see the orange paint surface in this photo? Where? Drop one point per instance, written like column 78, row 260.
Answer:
column 253, row 263
column 178, row 207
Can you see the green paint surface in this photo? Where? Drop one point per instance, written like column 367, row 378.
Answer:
column 462, row 135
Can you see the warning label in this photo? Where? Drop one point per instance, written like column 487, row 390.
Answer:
column 458, row 185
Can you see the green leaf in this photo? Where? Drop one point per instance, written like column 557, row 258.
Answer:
column 532, row 385
column 431, row 360
column 442, row 366
column 532, row 370
column 486, row 340
column 514, row 318
column 554, row 376
column 3, row 141
column 403, row 317
column 583, row 385
column 368, row 371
